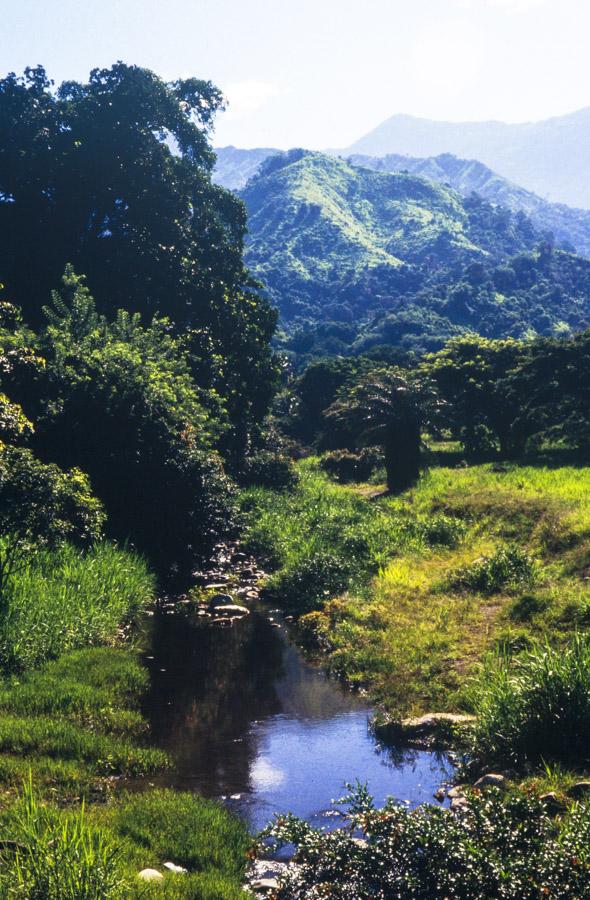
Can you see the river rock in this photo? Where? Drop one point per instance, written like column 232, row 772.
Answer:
column 150, row 875
column 457, row 791
column 224, row 622
column 553, row 803
column 265, row 885
column 459, row 805
column 232, row 610
column 178, row 870
column 491, row 779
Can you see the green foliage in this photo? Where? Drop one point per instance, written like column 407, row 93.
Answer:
column 535, row 706
column 68, row 598
column 346, row 466
column 161, row 241
column 40, row 506
column 471, row 376
column 321, row 538
column 269, row 468
column 500, row 847
column 355, row 259
column 388, row 408
column 118, row 400
column 508, row 567
column 197, row 833
column 57, row 856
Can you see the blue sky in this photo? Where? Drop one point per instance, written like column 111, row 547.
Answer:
column 320, row 73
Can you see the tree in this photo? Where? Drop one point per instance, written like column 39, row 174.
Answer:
column 118, row 400
column 471, row 375
column 40, row 506
column 114, row 176
column 389, row 408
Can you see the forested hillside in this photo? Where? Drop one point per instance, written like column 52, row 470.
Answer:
column 569, row 226
column 354, row 258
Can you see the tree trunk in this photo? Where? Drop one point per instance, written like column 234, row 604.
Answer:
column 402, row 456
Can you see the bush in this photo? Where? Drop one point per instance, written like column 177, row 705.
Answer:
column 345, row 466
column 269, row 469
column 442, row 530
column 499, row 849
column 308, row 583
column 508, row 567
column 536, row 706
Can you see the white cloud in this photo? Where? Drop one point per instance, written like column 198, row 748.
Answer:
column 245, row 97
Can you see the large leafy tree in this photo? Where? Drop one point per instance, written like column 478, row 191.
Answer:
column 114, row 176
column 483, row 410
column 117, row 399
column 389, row 407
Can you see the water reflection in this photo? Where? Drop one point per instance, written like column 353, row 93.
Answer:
column 242, row 713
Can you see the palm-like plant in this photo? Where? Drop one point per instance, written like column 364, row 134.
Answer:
column 389, row 407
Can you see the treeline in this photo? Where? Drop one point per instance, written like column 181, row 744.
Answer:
column 135, row 360
column 542, row 291
column 497, row 398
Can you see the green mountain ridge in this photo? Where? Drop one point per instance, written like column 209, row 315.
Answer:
column 570, row 226
column 312, row 215
column 354, row 257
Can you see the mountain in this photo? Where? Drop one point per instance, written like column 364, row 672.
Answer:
column 569, row 226
column 354, row 257
column 234, row 166
column 551, row 158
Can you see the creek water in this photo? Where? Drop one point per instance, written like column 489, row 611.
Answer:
column 248, row 719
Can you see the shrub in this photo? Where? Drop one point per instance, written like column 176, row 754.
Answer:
column 499, row 849
column 508, row 567
column 535, row 706
column 311, row 581
column 440, row 529
column 270, row 469
column 345, row 466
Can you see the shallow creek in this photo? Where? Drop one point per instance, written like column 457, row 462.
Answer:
column 248, row 719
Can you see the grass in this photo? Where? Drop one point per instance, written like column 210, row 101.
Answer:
column 75, row 722
column 535, row 707
column 91, row 853
column 65, row 599
column 470, row 561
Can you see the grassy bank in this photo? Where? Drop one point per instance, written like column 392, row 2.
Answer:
column 72, row 734
column 472, row 560
column 65, row 598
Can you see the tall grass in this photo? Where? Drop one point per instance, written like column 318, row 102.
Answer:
column 57, row 855
column 322, row 538
column 67, row 598
column 535, row 706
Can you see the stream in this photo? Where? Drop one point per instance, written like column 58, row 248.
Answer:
column 247, row 719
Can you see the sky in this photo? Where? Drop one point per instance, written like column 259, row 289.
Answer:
column 321, row 73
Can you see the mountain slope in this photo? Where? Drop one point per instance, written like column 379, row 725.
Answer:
column 354, row 258
column 316, row 223
column 551, row 158
column 568, row 225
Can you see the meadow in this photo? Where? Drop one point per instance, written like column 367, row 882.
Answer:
column 408, row 595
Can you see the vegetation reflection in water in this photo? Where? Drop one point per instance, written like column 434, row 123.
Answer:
column 247, row 718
